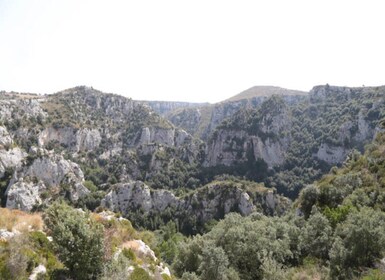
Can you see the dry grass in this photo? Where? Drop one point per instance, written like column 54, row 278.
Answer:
column 19, row 220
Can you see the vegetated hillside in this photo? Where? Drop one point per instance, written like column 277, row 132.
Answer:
column 202, row 121
column 96, row 149
column 106, row 139
column 191, row 212
column 67, row 243
column 289, row 145
column 80, row 142
column 336, row 230
column 103, row 151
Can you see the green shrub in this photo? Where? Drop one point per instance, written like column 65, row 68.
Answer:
column 78, row 240
column 140, row 274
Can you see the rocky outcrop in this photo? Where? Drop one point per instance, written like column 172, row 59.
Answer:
column 5, row 137
column 163, row 136
column 165, row 107
column 135, row 195
column 210, row 202
column 17, row 109
column 75, row 139
column 203, row 120
column 47, row 173
column 332, row 154
column 10, row 159
column 265, row 137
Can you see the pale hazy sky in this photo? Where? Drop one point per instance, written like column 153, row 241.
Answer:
column 189, row 50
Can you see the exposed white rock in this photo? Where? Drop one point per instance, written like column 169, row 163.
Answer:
column 11, row 159
column 272, row 152
column 231, row 146
column 5, row 137
column 212, row 201
column 40, row 269
column 332, row 155
column 141, row 249
column 137, row 195
column 157, row 135
column 21, row 108
column 364, row 130
column 5, row 235
column 75, row 139
column 63, row 135
column 24, row 195
column 46, row 172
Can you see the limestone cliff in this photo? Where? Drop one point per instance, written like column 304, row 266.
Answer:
column 209, row 202
column 44, row 176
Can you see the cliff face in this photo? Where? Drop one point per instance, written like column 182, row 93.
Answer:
column 112, row 137
column 163, row 108
column 210, row 202
column 202, row 121
column 45, row 176
column 288, row 144
column 50, row 144
column 241, row 140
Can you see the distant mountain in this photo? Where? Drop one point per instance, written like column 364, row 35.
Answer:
column 258, row 91
column 201, row 121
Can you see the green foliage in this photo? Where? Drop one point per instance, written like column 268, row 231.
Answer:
column 374, row 274
column 78, row 240
column 116, row 269
column 90, row 185
column 139, row 274
column 316, row 236
column 91, row 200
column 170, row 238
column 129, row 254
column 242, row 244
column 360, row 241
column 337, row 215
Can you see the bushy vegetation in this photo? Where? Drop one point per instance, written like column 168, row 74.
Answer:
column 341, row 234
column 78, row 240
column 331, row 118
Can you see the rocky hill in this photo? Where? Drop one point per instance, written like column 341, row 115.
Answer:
column 202, row 121
column 266, row 91
column 105, row 152
column 193, row 210
column 80, row 144
column 296, row 142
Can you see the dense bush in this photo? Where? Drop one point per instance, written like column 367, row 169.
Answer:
column 78, row 240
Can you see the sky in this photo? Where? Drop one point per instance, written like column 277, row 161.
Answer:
column 196, row 51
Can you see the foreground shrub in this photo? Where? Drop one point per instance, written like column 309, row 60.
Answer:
column 78, row 240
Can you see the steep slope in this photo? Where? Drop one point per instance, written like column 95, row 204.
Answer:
column 297, row 142
column 202, row 121
column 359, row 183
column 335, row 231
column 110, row 137
column 152, row 208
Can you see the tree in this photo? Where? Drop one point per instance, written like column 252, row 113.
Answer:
column 316, row 237
column 360, row 241
column 214, row 263
column 78, row 240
